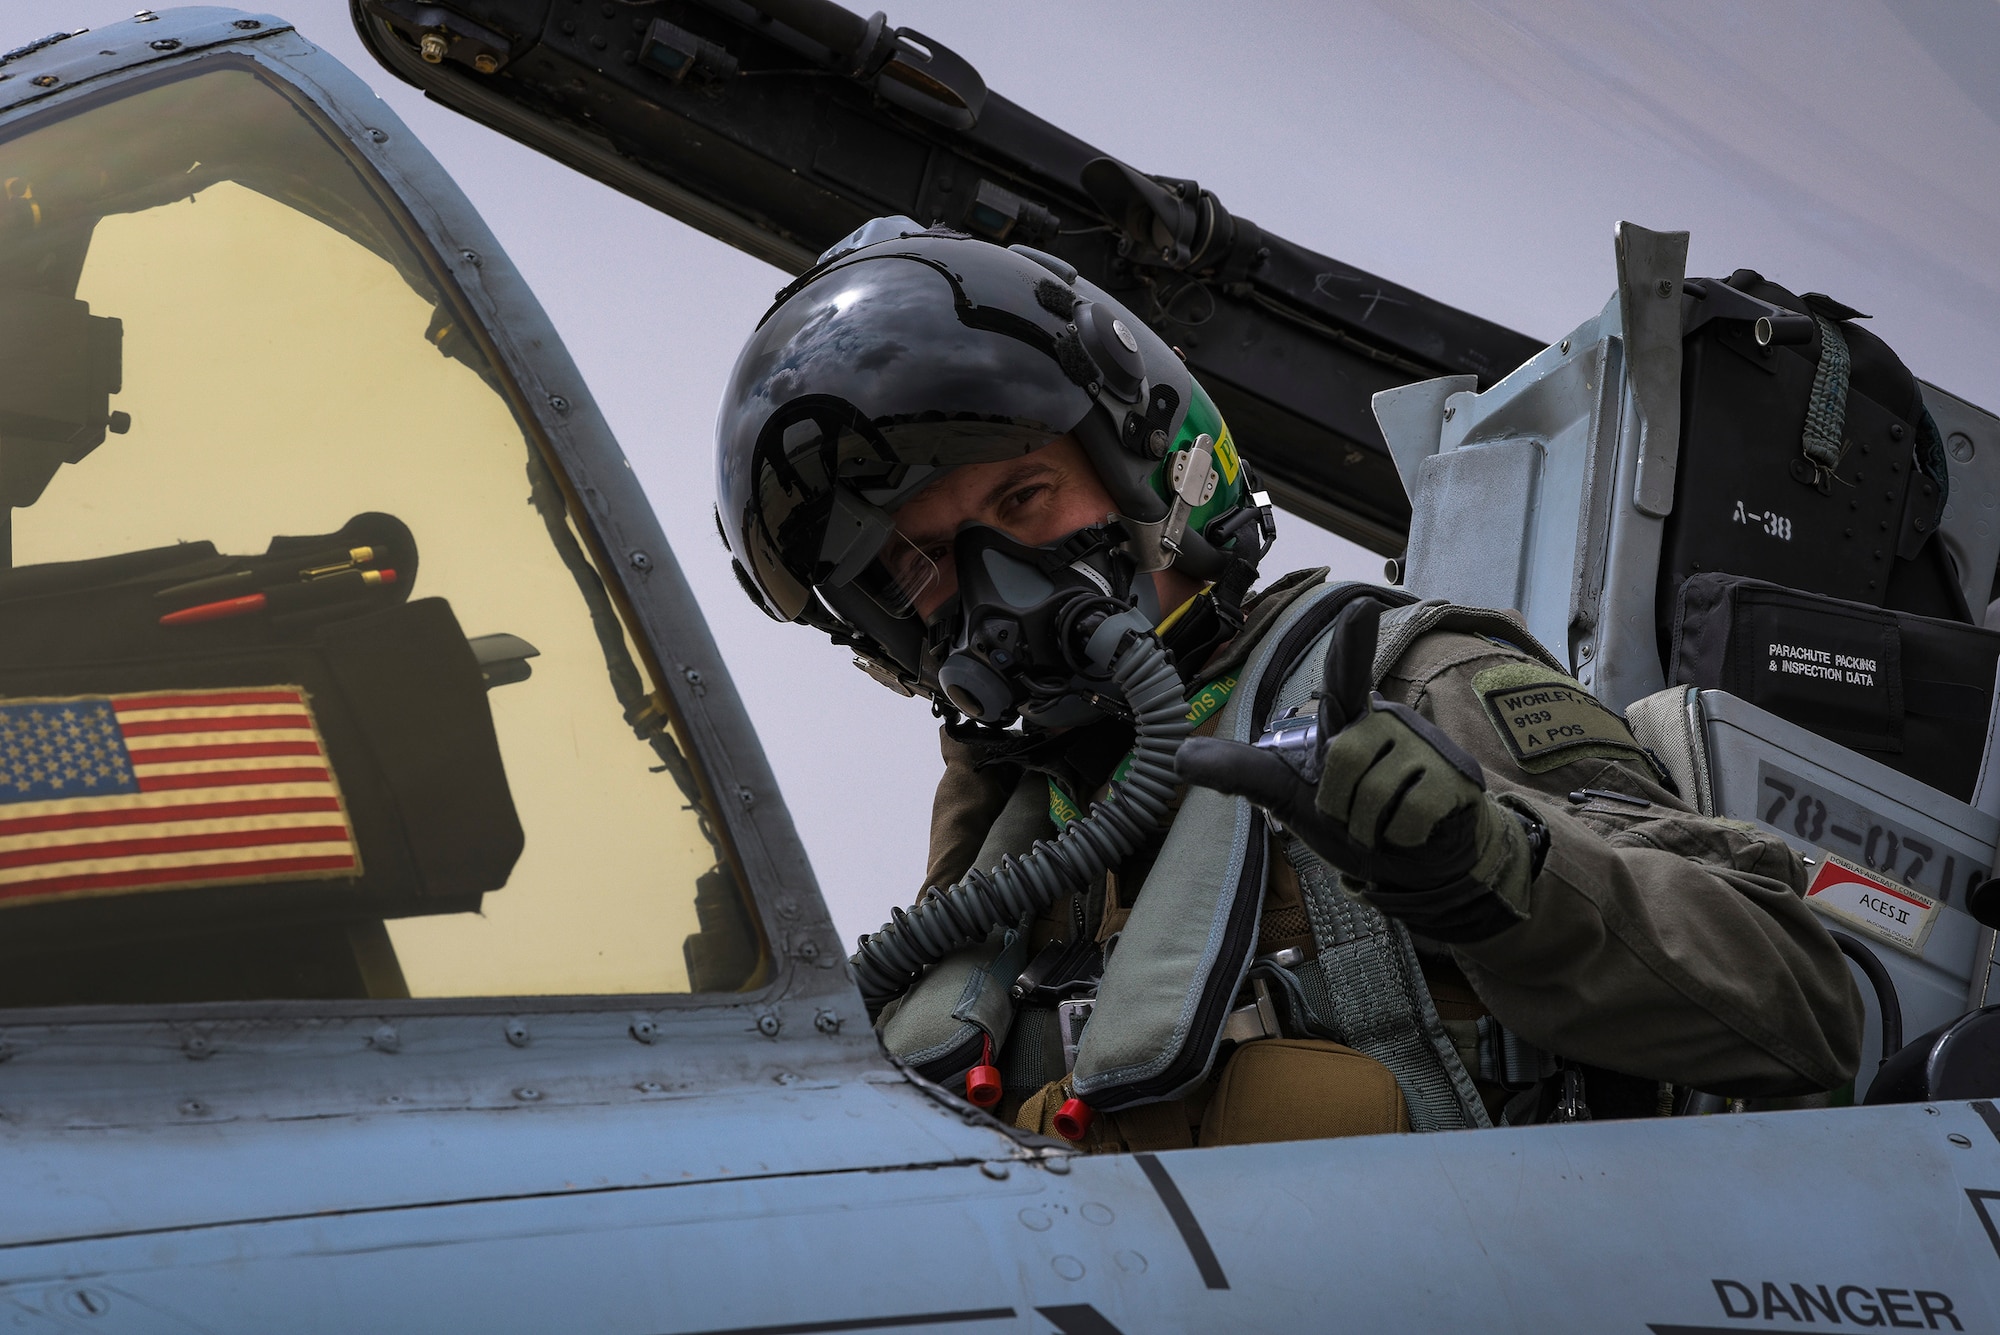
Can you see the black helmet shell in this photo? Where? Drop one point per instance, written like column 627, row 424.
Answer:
column 868, row 377
column 907, row 351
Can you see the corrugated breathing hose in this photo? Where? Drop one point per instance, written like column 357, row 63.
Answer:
column 890, row 960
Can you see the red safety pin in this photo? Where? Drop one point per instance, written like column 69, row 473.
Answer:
column 982, row 1082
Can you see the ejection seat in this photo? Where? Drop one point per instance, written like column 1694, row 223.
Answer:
column 1755, row 532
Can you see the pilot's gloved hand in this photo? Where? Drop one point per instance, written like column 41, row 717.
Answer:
column 1390, row 801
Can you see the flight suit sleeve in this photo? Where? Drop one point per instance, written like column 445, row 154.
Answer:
column 1658, row 942
column 967, row 802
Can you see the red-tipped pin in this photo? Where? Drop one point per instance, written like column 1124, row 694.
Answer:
column 284, row 598
column 982, row 1082
column 220, row 611
column 1073, row 1119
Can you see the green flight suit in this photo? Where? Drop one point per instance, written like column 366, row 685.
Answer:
column 1658, row 943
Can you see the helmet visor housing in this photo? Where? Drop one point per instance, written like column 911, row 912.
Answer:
column 895, row 362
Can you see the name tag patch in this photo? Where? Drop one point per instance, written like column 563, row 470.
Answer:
column 1887, row 910
column 1548, row 720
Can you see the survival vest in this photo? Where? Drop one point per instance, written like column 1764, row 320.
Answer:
column 1185, row 952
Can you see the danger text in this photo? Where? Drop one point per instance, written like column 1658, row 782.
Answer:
column 1849, row 1304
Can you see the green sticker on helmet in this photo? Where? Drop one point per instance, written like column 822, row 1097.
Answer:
column 1203, row 418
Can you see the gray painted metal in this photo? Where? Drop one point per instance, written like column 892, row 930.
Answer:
column 784, row 167
column 1651, row 266
column 1822, row 797
column 640, row 1166
column 52, row 71
column 596, row 158
column 1412, row 418
column 1586, row 557
column 422, row 1223
column 1476, row 496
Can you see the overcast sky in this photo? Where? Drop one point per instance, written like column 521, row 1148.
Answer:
column 1480, row 152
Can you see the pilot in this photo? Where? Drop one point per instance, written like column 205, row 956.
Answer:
column 1406, row 874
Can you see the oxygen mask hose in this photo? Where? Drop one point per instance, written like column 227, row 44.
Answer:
column 890, row 960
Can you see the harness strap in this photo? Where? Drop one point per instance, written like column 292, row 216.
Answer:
column 1366, row 989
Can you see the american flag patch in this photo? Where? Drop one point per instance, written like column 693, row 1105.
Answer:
column 106, row 794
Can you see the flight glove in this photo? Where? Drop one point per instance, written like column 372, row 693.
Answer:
column 1386, row 798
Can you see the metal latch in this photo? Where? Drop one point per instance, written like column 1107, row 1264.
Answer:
column 1294, row 735
column 1061, row 969
column 1571, row 1105
column 1192, row 478
column 1254, row 1020
column 1071, row 1017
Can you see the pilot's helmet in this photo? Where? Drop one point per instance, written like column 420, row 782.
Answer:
column 905, row 352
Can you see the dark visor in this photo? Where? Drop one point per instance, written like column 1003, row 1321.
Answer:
column 861, row 388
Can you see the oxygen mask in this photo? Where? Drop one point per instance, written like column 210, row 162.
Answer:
column 1032, row 631
column 1058, row 635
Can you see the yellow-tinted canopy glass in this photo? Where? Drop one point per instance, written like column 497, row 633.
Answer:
column 309, row 683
